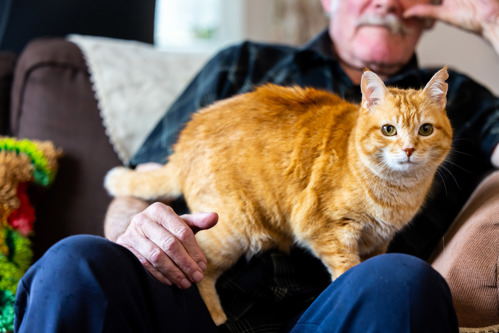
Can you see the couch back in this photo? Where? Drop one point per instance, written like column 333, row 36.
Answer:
column 52, row 99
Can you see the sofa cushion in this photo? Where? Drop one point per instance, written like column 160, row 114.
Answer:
column 468, row 258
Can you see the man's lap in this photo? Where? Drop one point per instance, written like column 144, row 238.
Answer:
column 88, row 283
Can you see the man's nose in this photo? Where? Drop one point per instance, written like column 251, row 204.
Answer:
column 388, row 6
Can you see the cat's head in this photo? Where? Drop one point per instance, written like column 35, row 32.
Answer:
column 403, row 130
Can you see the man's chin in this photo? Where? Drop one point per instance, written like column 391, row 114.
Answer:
column 376, row 48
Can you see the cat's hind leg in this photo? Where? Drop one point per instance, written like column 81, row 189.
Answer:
column 210, row 297
column 222, row 249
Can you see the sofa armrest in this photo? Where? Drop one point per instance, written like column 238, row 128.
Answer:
column 468, row 257
column 52, row 99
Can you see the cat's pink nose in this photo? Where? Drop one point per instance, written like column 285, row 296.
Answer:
column 409, row 151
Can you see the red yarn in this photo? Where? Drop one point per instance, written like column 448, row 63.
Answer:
column 23, row 218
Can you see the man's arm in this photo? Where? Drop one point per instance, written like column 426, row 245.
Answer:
column 119, row 215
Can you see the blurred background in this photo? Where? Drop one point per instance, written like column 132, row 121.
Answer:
column 208, row 25
column 204, row 25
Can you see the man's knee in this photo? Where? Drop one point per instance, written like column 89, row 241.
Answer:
column 405, row 273
column 398, row 267
column 81, row 257
column 391, row 290
column 86, row 248
column 77, row 275
column 78, row 246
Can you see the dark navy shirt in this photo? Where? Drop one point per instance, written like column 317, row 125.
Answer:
column 269, row 290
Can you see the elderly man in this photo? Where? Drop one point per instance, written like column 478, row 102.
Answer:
column 91, row 284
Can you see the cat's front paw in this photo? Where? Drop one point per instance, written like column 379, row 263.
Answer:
column 115, row 181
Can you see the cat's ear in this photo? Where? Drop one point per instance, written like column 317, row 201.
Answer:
column 373, row 89
column 436, row 89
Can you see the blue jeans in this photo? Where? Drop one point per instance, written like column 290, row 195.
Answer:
column 88, row 284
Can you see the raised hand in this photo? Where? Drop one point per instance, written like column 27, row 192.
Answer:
column 478, row 16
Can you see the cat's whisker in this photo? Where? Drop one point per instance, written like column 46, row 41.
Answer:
column 442, row 167
column 443, row 181
column 462, row 139
column 457, row 165
column 453, row 150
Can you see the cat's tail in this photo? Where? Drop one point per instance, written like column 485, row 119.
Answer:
column 161, row 183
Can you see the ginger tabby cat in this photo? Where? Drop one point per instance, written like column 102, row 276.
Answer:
column 290, row 165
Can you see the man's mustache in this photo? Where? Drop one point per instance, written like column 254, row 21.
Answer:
column 390, row 21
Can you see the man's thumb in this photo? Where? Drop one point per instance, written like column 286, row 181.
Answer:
column 200, row 221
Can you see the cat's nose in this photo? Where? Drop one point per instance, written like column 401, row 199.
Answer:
column 409, row 151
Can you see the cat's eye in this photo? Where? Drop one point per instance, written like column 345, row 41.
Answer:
column 389, row 130
column 426, row 129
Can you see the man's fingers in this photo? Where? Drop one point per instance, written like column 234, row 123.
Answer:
column 469, row 15
column 156, row 273
column 156, row 261
column 176, row 238
column 180, row 250
column 166, row 245
column 425, row 11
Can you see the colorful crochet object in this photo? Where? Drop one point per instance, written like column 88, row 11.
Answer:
column 22, row 162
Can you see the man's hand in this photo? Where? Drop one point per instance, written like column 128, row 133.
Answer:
column 165, row 244
column 478, row 16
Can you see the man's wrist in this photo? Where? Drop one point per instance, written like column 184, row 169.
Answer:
column 119, row 215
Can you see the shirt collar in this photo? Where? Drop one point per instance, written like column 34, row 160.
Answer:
column 320, row 44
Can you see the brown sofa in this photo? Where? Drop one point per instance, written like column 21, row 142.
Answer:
column 51, row 98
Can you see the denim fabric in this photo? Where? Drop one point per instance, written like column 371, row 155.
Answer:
column 389, row 293
column 89, row 284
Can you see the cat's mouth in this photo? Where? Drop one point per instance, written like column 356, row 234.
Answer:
column 404, row 166
column 408, row 161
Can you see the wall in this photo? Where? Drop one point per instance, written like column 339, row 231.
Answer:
column 284, row 21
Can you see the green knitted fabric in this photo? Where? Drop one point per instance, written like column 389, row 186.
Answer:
column 15, row 246
column 42, row 174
